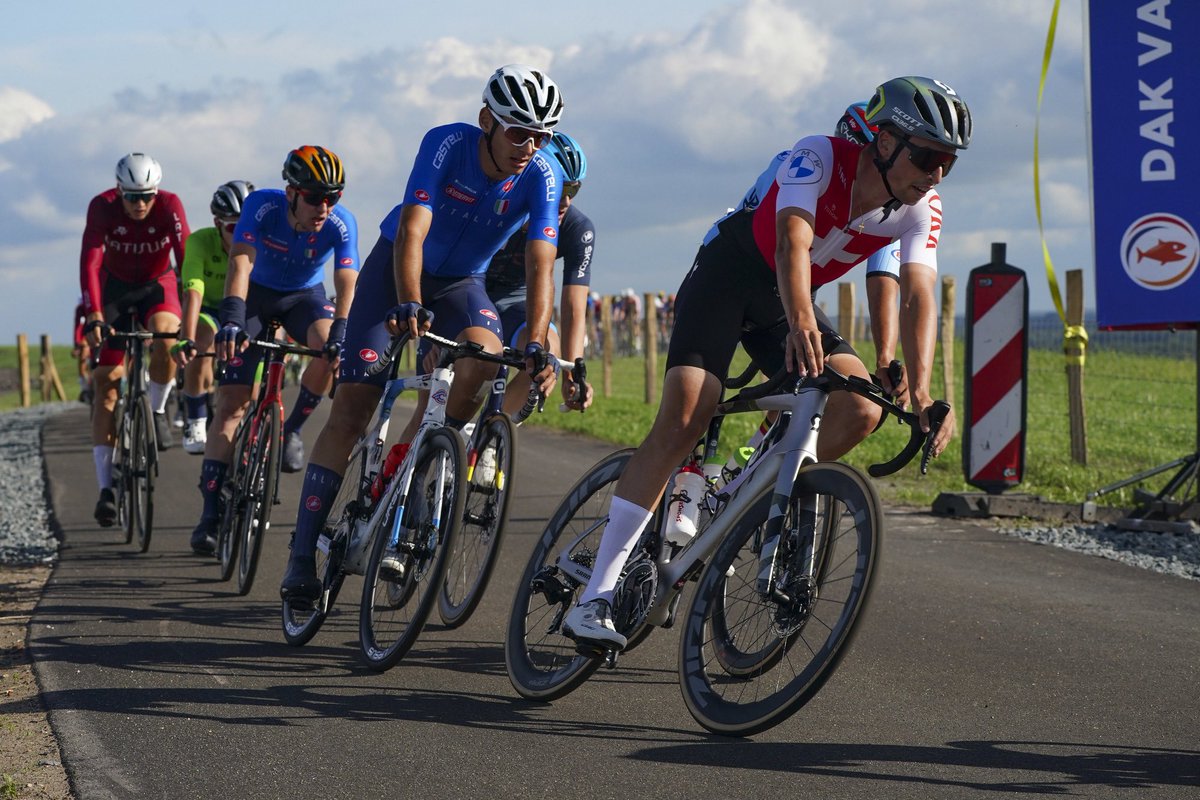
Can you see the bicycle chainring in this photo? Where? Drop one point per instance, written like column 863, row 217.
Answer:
column 634, row 595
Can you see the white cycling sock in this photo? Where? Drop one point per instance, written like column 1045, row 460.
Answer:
column 102, row 455
column 158, row 396
column 625, row 524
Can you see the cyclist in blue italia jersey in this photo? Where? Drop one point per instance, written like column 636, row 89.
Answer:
column 276, row 271
column 470, row 189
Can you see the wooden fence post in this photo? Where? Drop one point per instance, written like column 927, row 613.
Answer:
column 50, row 379
column 606, row 329
column 845, row 323
column 23, row 368
column 1075, row 347
column 650, row 341
column 948, row 338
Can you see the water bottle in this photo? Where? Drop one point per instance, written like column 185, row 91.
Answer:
column 683, row 513
column 395, row 457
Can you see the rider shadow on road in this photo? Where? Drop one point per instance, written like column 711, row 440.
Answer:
column 1012, row 767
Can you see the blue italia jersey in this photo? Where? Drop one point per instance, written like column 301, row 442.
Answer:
column 474, row 216
column 286, row 259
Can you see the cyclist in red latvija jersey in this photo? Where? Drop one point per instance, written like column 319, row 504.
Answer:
column 131, row 233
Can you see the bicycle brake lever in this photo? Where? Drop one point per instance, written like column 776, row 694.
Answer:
column 936, row 415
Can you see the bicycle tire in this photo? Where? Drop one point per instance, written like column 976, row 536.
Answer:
column 301, row 623
column 228, row 540
column 757, row 699
column 476, row 545
column 386, row 628
column 262, row 480
column 542, row 663
column 121, row 482
column 143, row 452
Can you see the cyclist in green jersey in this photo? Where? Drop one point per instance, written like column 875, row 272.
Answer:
column 205, row 261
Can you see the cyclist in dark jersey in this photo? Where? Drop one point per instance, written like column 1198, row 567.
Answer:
column 131, row 234
column 470, row 189
column 281, row 243
column 832, row 204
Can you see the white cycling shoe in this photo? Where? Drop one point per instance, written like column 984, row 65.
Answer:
column 195, row 437
column 591, row 623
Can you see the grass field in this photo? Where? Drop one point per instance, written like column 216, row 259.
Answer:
column 1134, row 423
column 1141, row 413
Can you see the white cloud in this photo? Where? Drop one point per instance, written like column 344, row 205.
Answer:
column 19, row 111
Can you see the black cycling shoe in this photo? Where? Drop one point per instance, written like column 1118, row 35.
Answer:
column 204, row 538
column 162, row 432
column 300, row 583
column 106, row 509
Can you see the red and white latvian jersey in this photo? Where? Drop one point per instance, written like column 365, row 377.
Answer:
column 817, row 177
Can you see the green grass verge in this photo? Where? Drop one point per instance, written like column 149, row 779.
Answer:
column 10, row 395
column 1141, row 412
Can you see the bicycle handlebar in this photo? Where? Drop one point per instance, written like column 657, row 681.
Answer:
column 832, row 380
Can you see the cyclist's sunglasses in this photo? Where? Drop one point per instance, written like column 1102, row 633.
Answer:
column 519, row 136
column 139, row 197
column 927, row 159
column 315, row 199
column 571, row 188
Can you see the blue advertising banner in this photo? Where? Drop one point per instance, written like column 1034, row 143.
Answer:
column 1144, row 93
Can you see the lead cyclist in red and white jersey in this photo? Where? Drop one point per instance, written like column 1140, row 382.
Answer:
column 832, row 204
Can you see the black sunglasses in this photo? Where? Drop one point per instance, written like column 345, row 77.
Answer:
column 315, row 199
column 139, row 197
column 927, row 159
column 571, row 188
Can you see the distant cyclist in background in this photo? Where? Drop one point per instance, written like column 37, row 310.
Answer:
column 130, row 235
column 281, row 243
column 204, row 267
column 81, row 351
column 470, row 189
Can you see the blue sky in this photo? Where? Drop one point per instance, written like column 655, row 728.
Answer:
column 678, row 104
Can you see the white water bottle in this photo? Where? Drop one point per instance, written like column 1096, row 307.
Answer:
column 683, row 513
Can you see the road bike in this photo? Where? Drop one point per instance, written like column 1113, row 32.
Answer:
column 251, row 484
column 491, row 468
column 135, row 451
column 396, row 534
column 782, row 565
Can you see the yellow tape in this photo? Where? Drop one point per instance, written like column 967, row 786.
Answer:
column 1075, row 339
column 1037, row 183
column 1074, row 336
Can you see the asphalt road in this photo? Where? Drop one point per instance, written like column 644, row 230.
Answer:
column 988, row 667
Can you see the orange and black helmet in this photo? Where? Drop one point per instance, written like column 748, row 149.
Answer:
column 314, row 168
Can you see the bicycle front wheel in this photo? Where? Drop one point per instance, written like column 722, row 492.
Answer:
column 232, row 501
column 748, row 661
column 405, row 572
column 542, row 662
column 142, row 455
column 260, row 481
column 490, row 470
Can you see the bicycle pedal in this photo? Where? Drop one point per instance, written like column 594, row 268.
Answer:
column 610, row 658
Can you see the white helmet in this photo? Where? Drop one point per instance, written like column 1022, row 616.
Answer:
column 138, row 172
column 525, row 96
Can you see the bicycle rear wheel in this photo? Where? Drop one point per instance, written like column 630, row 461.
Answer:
column 476, row 545
column 542, row 662
column 746, row 661
column 258, row 492
column 140, row 471
column 302, row 621
column 396, row 601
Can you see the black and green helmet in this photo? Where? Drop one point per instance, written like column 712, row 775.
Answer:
column 922, row 107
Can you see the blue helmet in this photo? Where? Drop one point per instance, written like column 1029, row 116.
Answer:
column 854, row 125
column 570, row 156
